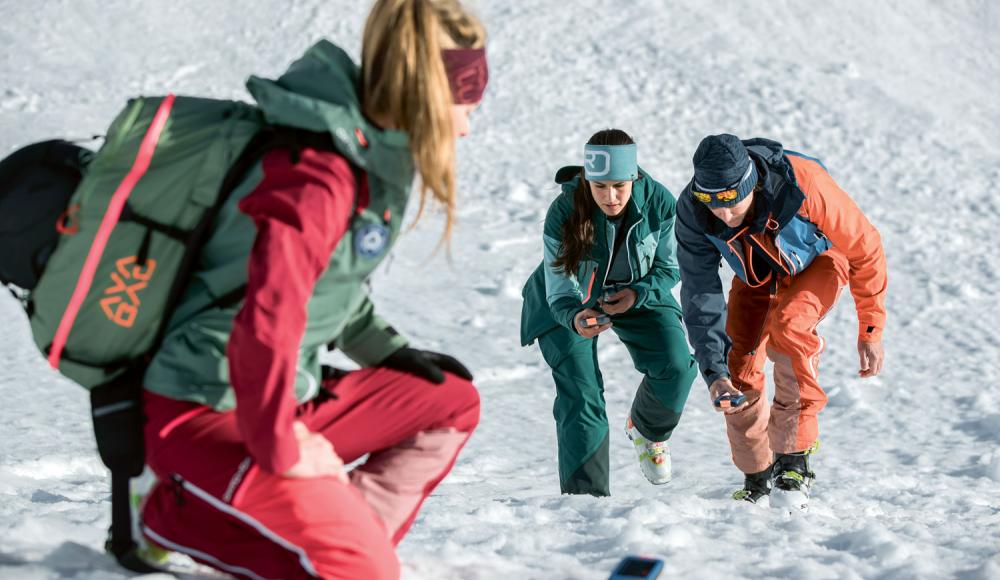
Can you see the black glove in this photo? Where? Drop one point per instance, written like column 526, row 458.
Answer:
column 425, row 364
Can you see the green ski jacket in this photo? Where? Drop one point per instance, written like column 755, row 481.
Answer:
column 318, row 93
column 552, row 298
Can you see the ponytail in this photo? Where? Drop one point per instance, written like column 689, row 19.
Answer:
column 403, row 79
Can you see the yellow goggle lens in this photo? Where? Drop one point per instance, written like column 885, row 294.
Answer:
column 723, row 196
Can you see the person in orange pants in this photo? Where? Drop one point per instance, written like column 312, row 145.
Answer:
column 793, row 238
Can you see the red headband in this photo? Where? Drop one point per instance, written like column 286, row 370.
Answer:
column 467, row 74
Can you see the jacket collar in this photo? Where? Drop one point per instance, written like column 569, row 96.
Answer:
column 319, row 92
column 779, row 197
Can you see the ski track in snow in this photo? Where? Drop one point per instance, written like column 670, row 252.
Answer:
column 897, row 98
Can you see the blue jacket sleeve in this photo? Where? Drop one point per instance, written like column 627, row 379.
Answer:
column 702, row 299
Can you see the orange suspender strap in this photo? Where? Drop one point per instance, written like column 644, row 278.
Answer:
column 108, row 223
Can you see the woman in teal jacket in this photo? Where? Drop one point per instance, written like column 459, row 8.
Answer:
column 609, row 263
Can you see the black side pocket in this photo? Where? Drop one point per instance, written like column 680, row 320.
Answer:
column 116, row 409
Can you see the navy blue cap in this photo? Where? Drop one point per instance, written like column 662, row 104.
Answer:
column 723, row 171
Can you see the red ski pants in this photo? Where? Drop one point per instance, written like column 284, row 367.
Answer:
column 214, row 504
column 784, row 327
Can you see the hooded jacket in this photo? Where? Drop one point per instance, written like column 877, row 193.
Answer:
column 553, row 298
column 303, row 232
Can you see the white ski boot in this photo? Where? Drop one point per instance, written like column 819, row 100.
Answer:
column 792, row 480
column 654, row 456
column 756, row 488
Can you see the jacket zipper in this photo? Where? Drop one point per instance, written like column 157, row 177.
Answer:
column 590, row 286
column 611, row 257
column 628, row 250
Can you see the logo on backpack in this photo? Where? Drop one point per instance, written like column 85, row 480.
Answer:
column 121, row 304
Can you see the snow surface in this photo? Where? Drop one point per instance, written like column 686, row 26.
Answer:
column 897, row 97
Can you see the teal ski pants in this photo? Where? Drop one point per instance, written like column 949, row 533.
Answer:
column 655, row 340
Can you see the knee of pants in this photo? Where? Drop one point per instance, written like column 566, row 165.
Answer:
column 377, row 560
column 575, row 365
column 691, row 372
column 673, row 392
column 675, row 366
column 812, row 402
column 746, row 421
column 808, row 402
column 462, row 397
column 577, row 379
column 743, row 374
column 574, row 412
column 792, row 335
column 578, row 408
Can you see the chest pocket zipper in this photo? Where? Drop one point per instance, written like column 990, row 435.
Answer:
column 590, row 285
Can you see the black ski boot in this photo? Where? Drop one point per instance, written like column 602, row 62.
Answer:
column 756, row 487
column 792, row 479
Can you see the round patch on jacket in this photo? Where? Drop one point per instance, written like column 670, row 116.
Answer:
column 371, row 241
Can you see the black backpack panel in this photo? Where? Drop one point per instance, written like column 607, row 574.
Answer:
column 36, row 183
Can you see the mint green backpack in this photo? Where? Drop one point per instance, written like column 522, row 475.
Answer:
column 132, row 230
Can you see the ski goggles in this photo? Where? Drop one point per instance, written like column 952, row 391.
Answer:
column 720, row 196
column 728, row 195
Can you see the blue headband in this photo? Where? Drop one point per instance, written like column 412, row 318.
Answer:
column 610, row 162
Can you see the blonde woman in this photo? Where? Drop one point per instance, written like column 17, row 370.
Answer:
column 248, row 437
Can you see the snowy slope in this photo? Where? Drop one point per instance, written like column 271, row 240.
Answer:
column 897, row 98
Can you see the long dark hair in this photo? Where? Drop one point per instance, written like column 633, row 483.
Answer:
column 578, row 231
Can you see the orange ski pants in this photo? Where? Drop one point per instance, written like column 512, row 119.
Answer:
column 782, row 325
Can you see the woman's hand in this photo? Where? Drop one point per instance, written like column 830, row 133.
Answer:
column 316, row 456
column 589, row 331
column 619, row 302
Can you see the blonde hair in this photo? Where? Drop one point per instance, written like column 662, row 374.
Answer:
column 403, row 80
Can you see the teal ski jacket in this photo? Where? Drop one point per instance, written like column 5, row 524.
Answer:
column 553, row 298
